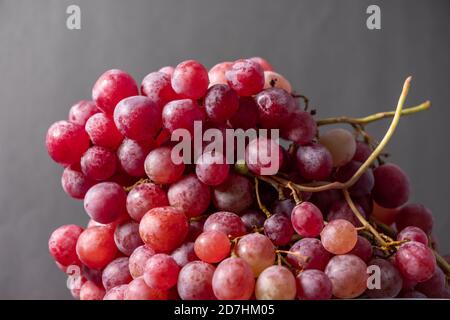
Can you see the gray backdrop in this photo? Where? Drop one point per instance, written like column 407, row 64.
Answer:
column 323, row 47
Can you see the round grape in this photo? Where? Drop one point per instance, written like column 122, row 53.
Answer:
column 307, row 220
column 103, row 132
column 144, row 197
column 91, row 291
column 98, row 163
column 233, row 280
column 275, row 106
column 415, row 215
column 161, row 272
column 138, row 259
column 227, row 222
column 339, row 236
column 313, row 285
column 190, row 79
column 212, row 169
column 391, row 188
column 264, row 156
column 341, row 144
column 246, row 77
column 138, row 290
column 246, row 117
column 105, row 202
column 81, row 111
column 96, row 247
column 195, row 281
column 75, row 183
column 221, row 103
column 415, row 261
column 390, row 280
column 127, row 237
column 413, row 234
column 157, row 86
column 276, row 283
column 212, row 246
column 362, row 249
column 160, row 168
column 184, row 254
column 235, row 194
column 131, row 155
column 278, row 228
column 257, row 250
column 308, row 253
column 62, row 244
column 116, row 273
column 314, row 162
column 299, row 128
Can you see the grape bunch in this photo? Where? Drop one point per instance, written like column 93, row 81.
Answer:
column 160, row 229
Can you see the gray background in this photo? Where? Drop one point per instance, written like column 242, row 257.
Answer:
column 323, row 47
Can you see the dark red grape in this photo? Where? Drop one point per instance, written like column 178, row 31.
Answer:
column 390, row 280
column 391, row 188
column 363, row 185
column 307, row 220
column 313, row 285
column 415, row 215
column 415, row 261
column 246, row 116
column 308, row 253
column 235, row 194
column 221, row 103
column 413, row 234
column 299, row 128
column 105, row 202
column 116, row 273
column 144, row 197
column 227, row 222
column 278, row 228
column 127, row 237
column 275, row 107
column 264, row 156
column 132, row 154
column 314, row 162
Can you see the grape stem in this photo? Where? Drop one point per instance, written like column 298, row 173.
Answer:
column 258, row 199
column 374, row 117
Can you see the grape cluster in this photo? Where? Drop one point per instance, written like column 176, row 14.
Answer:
column 162, row 230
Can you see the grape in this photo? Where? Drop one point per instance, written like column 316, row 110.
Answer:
column 195, row 281
column 184, row 254
column 75, row 183
column 415, row 215
column 116, row 293
column 433, row 287
column 246, row 116
column 96, row 247
column 413, row 234
column 275, row 283
column 212, row 246
column 283, row 206
column 348, row 276
column 341, row 144
column 273, row 79
column 307, row 220
column 227, row 222
column 113, row 86
column 190, row 79
column 98, row 163
column 163, row 228
column 233, row 280
column 235, row 194
column 445, row 294
column 246, row 77
column 390, row 280
column 116, row 273
column 313, row 285
column 167, row 70
column 157, row 86
column 138, row 118
column 62, row 244
column 391, row 188
column 105, row 202
column 103, row 132
column 415, row 261
column 189, row 195
column 341, row 210
column 264, row 156
column 253, row 219
column 216, row 74
column 161, row 272
column 362, row 249
column 339, row 236
column 257, row 250
column 314, row 162
column 138, row 290
column 181, row 114
column 363, row 185
column 221, row 103
column 278, row 228
column 93, row 275
column 362, row 152
column 263, row 63
column 66, row 142
column 384, row 215
column 123, row 179
column 81, row 111
column 144, row 197
column 275, row 106
column 412, row 295
column 299, row 128
column 138, row 259
column 366, row 204
column 324, row 199
column 127, row 237
column 160, row 168
column 195, row 228
column 131, row 155
column 91, row 291
column 212, row 169
column 308, row 253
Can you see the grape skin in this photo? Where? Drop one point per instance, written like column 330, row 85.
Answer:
column 161, row 272
column 313, row 285
column 246, row 77
column 195, row 281
column 414, row 234
column 300, row 128
column 308, row 253
column 339, row 236
column 184, row 254
column 278, row 228
column 433, row 287
column 95, row 247
column 415, row 261
column 253, row 219
column 91, row 291
column 190, row 79
column 257, row 250
column 212, row 246
column 307, row 220
column 81, row 111
column 276, row 283
column 275, row 106
column 314, row 162
column 144, row 197
column 273, row 79
column 341, row 144
column 157, row 86
column 235, row 194
column 263, row 63
column 138, row 260
column 103, row 132
column 415, row 215
column 390, row 280
column 227, row 222
column 221, row 103
column 127, row 238
column 216, row 74
column 138, row 290
column 246, row 116
column 105, row 202
column 212, row 169
column 98, row 163
column 160, row 168
column 233, row 280
column 363, row 185
column 62, row 244
column 264, row 156
column 116, row 273
column 131, row 155
column 362, row 249
column 75, row 183
column 341, row 210
column 116, row 293
column 181, row 114
column 392, row 187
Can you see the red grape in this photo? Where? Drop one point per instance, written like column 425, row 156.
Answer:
column 81, row 111
column 160, row 168
column 339, row 236
column 99, row 163
column 324, row 199
column 273, row 79
column 391, row 188
column 362, row 152
column 390, row 280
column 415, row 261
column 227, row 222
column 415, row 215
column 307, row 220
column 131, row 155
column 433, row 287
column 167, row 70
column 233, row 280
column 212, row 246
column 66, row 142
column 144, row 197
column 91, row 291
column 278, row 228
column 195, row 281
column 212, row 169
column 264, row 156
column 275, row 107
column 246, row 77
column 181, row 114
column 189, row 195
column 413, row 234
column 221, row 103
column 246, row 117
column 157, row 86
column 138, row 118
column 103, row 132
column 263, row 63
column 62, row 244
column 138, row 259
column 257, row 250
column 163, row 228
column 314, row 162
column 299, row 128
column 127, row 237
column 313, row 285
column 96, row 247
column 235, row 194
column 308, row 253
column 276, row 283
column 138, row 290
column 161, row 272
column 412, row 294
column 113, row 86
column 190, row 79
column 216, row 74
column 116, row 273
column 384, row 215
column 105, row 202
column 341, row 210
column 363, row 185
column 362, row 249
column 116, row 293
column 75, row 183
column 253, row 219
column 184, row 254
